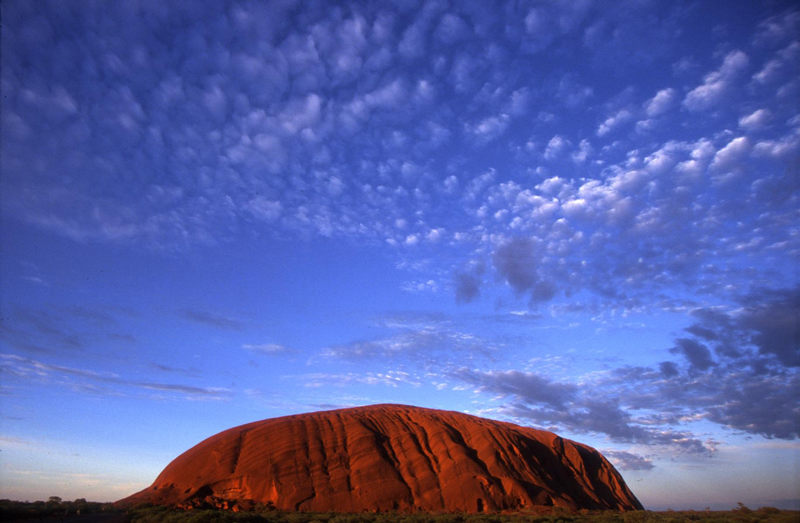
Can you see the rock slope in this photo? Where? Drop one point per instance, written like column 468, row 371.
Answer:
column 389, row 457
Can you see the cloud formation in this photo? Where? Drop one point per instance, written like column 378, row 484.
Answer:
column 627, row 460
column 536, row 399
column 85, row 380
column 212, row 320
column 269, row 133
column 716, row 84
column 736, row 368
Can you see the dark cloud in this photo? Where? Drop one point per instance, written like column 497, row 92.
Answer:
column 212, row 320
column 517, row 262
column 773, row 319
column 702, row 332
column 533, row 387
column 767, row 321
column 467, row 287
column 698, row 354
column 565, row 406
column 757, row 403
column 752, row 386
column 183, row 389
column 668, row 368
column 468, row 281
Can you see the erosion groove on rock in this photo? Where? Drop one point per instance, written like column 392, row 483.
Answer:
column 389, row 457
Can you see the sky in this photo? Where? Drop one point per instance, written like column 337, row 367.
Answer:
column 577, row 216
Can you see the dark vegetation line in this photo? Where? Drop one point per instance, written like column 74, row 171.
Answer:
column 82, row 511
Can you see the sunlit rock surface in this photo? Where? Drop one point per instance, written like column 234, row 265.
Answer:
column 389, row 457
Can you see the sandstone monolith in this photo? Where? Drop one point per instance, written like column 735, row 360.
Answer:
column 389, row 458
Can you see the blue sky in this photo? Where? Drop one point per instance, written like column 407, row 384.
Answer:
column 580, row 216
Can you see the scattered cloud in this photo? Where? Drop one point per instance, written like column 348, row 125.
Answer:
column 755, row 120
column 627, row 460
column 614, row 121
column 425, row 345
column 267, row 348
column 661, row 102
column 91, row 381
column 731, row 155
column 716, row 84
column 555, row 147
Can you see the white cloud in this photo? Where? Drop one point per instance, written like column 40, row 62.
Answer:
column 265, row 208
column 730, row 155
column 782, row 148
column 555, row 147
column 643, row 126
column 716, row 84
column 584, row 151
column 755, row 120
column 769, row 72
column 421, row 286
column 301, row 114
column 450, row 183
column 701, row 154
column 575, row 208
column 478, row 184
column 660, row 103
column 778, row 28
column 389, row 95
column 662, row 160
column 551, row 185
column 267, row 348
column 613, row 121
column 434, row 235
column 490, row 128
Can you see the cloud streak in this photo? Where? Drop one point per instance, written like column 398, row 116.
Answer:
column 90, row 380
column 210, row 319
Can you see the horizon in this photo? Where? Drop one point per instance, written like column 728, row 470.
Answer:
column 571, row 216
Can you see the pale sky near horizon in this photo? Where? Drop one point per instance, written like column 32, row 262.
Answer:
column 579, row 216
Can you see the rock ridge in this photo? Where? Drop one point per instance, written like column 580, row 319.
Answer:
column 389, row 458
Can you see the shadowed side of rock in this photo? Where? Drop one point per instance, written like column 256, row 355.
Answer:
column 390, row 458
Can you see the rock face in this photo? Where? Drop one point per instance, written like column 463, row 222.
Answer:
column 389, row 457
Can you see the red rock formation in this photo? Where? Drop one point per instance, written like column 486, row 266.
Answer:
column 389, row 457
